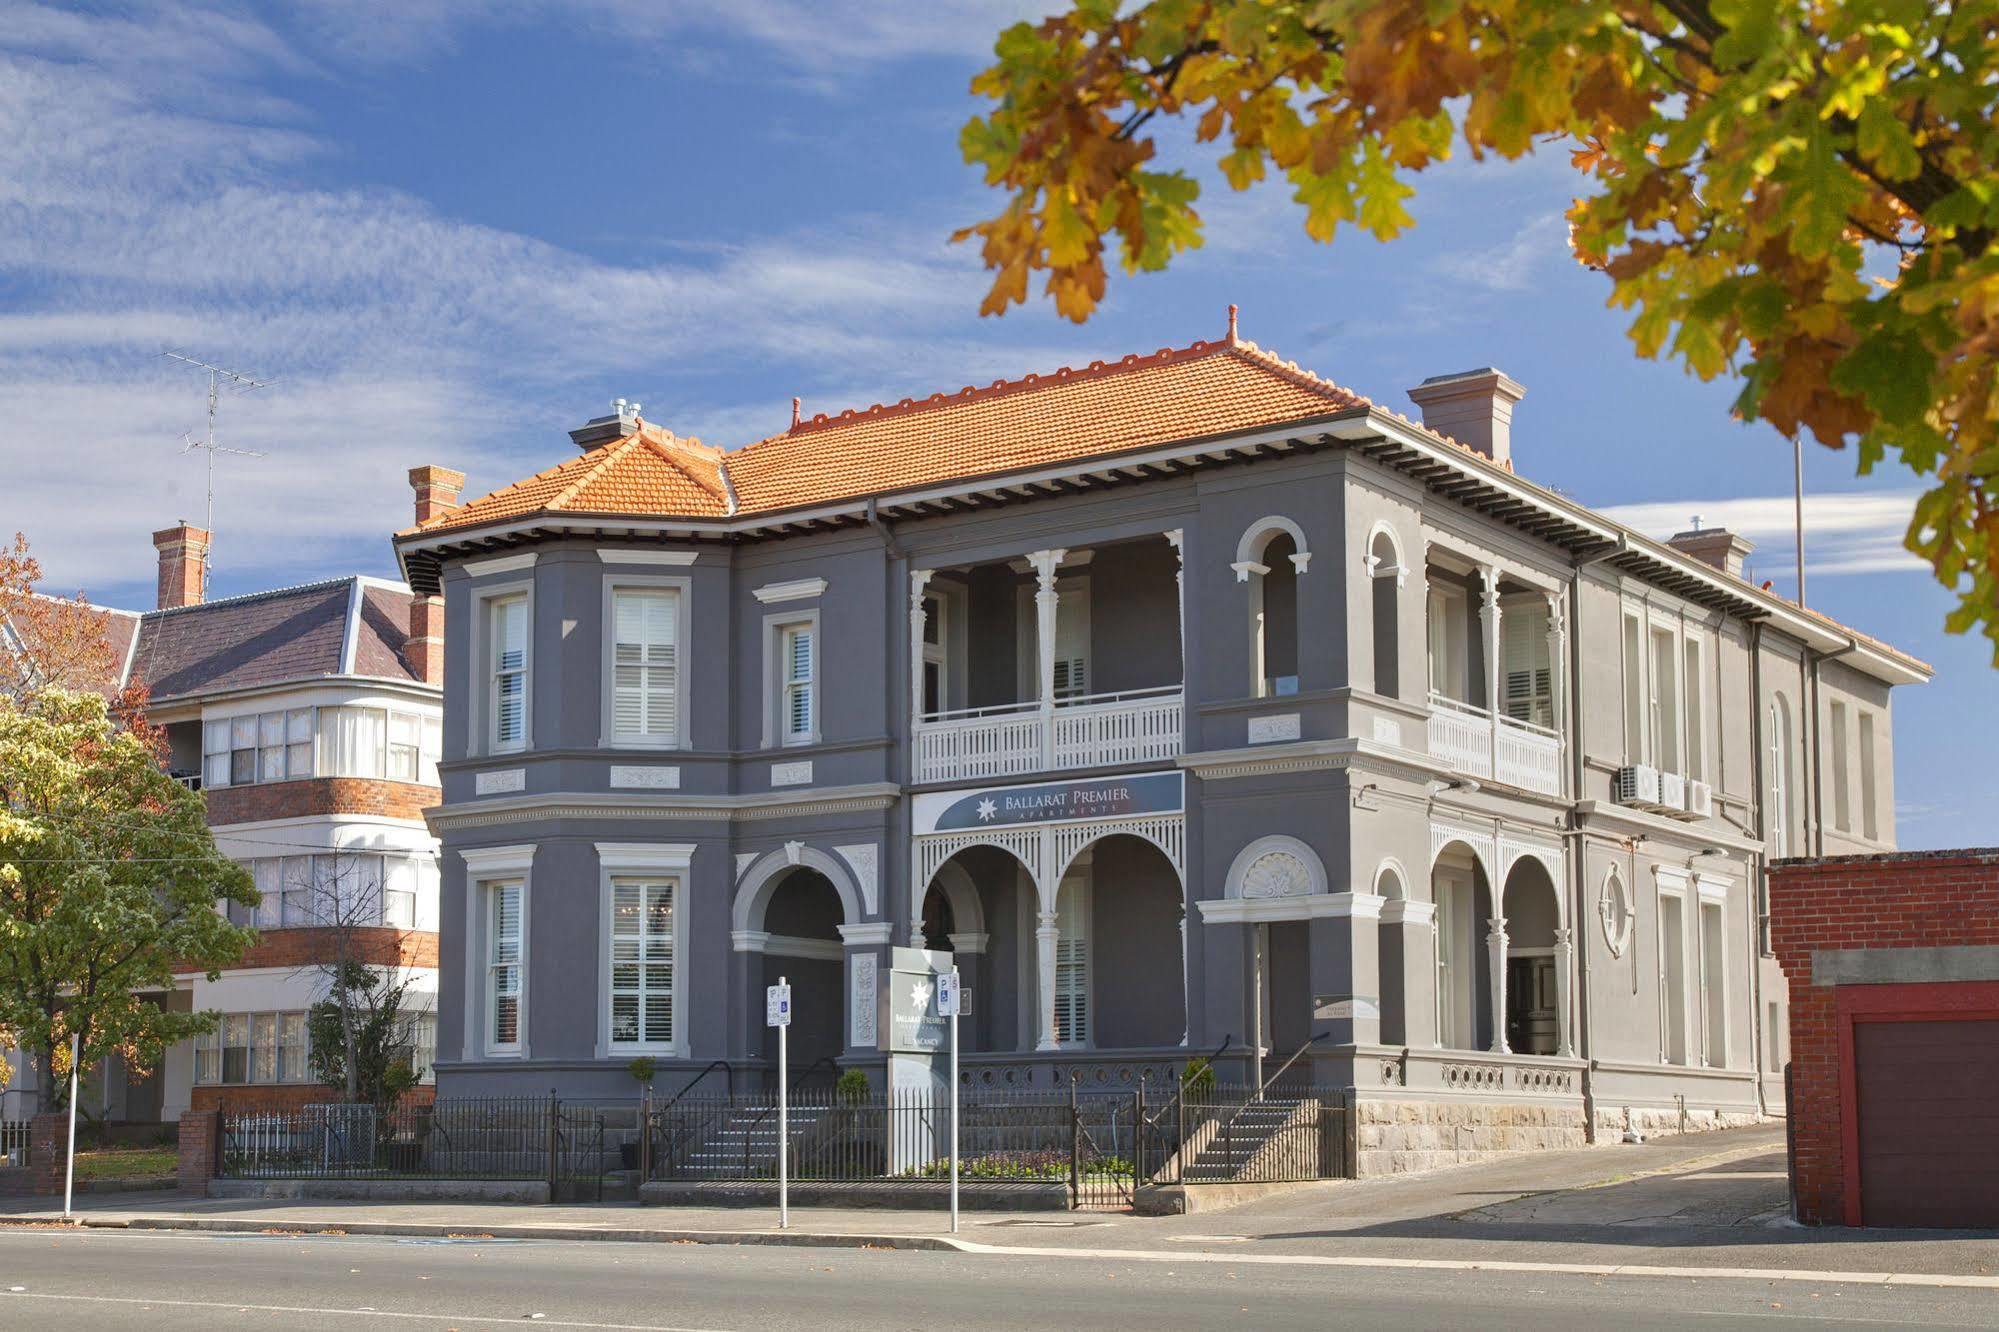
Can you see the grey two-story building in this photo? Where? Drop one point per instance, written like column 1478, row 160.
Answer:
column 1193, row 702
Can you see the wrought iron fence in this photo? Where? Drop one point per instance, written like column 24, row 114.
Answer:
column 14, row 1136
column 1098, row 1147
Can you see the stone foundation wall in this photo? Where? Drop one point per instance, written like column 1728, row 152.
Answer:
column 1402, row 1136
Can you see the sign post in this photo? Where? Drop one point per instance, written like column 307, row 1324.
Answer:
column 69, row 1170
column 777, row 1013
column 948, row 1006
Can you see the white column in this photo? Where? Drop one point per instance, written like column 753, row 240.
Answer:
column 1176, row 539
column 918, row 580
column 1045, row 935
column 1495, row 947
column 1488, row 615
column 1045, row 598
column 1558, row 684
column 1565, row 1044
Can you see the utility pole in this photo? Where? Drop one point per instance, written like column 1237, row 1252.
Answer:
column 238, row 383
column 1798, row 507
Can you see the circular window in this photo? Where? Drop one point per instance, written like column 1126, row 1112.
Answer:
column 1614, row 905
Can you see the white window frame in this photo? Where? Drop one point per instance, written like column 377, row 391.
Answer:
column 1870, row 777
column 1711, row 894
column 683, row 657
column 1778, row 793
column 644, row 860
column 486, row 867
column 1839, row 730
column 1694, row 665
column 295, row 766
column 209, row 1061
column 777, row 732
column 488, row 729
column 1445, row 612
column 1674, row 884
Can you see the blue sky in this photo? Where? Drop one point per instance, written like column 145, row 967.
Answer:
column 447, row 230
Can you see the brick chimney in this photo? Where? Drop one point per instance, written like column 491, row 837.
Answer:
column 183, row 564
column 1473, row 407
column 437, row 490
column 1714, row 545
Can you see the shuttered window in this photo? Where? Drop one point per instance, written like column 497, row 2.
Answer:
column 800, row 702
column 645, row 666
column 510, row 672
column 1528, row 679
column 1072, row 964
column 642, row 962
column 504, row 966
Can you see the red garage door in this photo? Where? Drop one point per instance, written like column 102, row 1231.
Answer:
column 1928, row 1110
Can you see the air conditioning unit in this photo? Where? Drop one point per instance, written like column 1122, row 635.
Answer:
column 1636, row 785
column 1672, row 791
column 1700, row 800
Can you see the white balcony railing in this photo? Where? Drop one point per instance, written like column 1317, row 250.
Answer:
column 1142, row 726
column 1513, row 752
column 1461, row 735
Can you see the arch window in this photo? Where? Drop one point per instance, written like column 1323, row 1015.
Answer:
column 1386, row 573
column 1778, row 778
column 1270, row 558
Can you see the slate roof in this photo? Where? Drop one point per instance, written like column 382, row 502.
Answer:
column 292, row 634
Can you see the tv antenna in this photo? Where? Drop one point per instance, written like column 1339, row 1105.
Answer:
column 219, row 378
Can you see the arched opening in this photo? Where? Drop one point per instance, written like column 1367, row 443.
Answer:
column 1391, row 952
column 802, row 918
column 1269, row 559
column 1533, row 1002
column 980, row 906
column 1385, row 569
column 1463, row 895
column 1117, row 978
column 1779, row 778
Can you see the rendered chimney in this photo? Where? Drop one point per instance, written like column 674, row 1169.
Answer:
column 437, row 490
column 1714, row 545
column 1473, row 407
column 622, row 421
column 183, row 564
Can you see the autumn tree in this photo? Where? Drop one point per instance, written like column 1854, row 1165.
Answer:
column 52, row 642
column 109, row 882
column 1800, row 193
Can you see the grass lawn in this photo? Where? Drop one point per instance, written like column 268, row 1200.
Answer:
column 127, row 1163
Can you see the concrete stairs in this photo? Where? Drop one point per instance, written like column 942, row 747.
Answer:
column 1239, row 1143
column 742, row 1137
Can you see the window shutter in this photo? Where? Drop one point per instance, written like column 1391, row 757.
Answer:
column 510, row 670
column 506, row 964
column 642, row 962
column 645, row 665
column 1529, row 692
column 800, row 670
column 1072, row 968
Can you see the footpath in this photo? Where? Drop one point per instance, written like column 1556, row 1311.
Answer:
column 1702, row 1205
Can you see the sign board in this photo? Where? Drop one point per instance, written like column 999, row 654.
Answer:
column 1333, row 1007
column 910, row 1021
column 1050, row 802
column 777, row 1006
column 947, row 994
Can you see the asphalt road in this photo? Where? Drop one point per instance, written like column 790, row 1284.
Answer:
column 160, row 1281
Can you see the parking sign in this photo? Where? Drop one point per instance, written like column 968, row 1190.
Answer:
column 777, row 1006
column 947, row 994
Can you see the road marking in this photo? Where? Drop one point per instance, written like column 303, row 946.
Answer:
column 235, row 1307
column 1492, row 1265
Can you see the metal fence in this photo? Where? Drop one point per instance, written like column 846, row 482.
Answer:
column 14, row 1135
column 1098, row 1147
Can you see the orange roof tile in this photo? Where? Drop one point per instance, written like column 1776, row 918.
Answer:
column 1209, row 388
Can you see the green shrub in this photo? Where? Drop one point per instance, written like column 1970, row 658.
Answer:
column 852, row 1087
column 642, row 1069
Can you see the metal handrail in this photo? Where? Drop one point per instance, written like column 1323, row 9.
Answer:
column 1286, row 1065
column 728, row 1070
column 1532, row 728
column 1180, row 1083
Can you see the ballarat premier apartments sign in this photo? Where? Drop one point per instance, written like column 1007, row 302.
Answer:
column 1050, row 802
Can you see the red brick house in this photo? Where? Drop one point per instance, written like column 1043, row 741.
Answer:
column 1893, row 962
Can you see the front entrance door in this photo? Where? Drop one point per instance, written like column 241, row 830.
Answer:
column 1530, row 1005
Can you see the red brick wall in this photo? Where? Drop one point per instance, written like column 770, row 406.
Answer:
column 1925, row 899
column 319, row 795
column 200, row 1148
column 243, row 1100
column 305, row 946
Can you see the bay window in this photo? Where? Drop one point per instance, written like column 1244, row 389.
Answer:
column 253, row 1048
column 347, row 741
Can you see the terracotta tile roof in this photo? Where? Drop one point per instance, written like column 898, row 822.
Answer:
column 1209, row 388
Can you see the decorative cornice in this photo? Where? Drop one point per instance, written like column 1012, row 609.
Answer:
column 1311, row 755
column 1660, row 829
column 664, row 805
column 1312, row 906
column 797, row 589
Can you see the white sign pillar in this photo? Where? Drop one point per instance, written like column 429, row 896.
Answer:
column 69, row 1169
column 777, row 1013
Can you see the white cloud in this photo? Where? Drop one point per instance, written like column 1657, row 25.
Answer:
column 1844, row 533
column 1512, row 264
